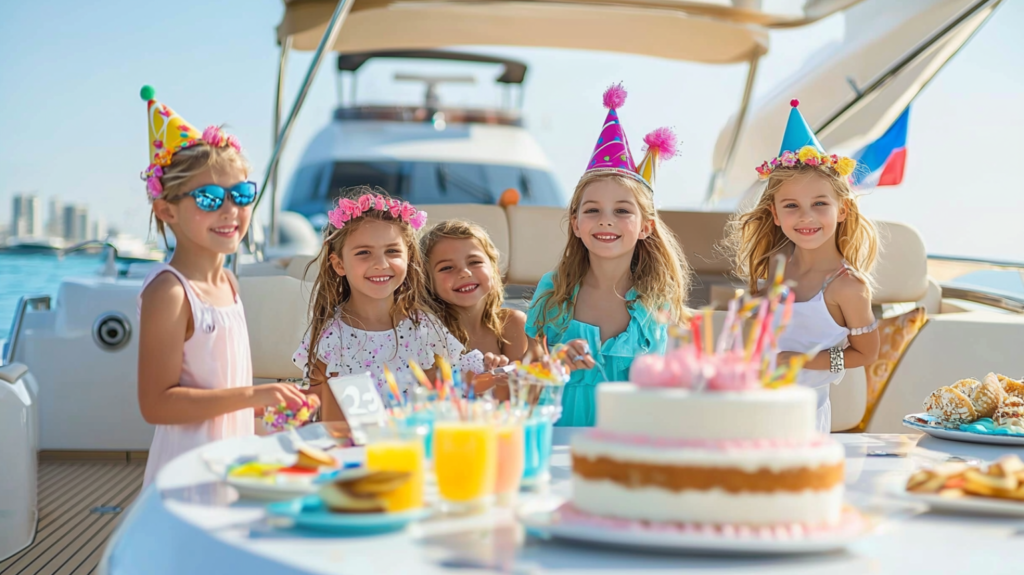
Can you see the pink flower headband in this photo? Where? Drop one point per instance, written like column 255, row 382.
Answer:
column 349, row 210
column 212, row 136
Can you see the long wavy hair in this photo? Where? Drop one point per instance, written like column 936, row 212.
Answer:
column 659, row 270
column 493, row 317
column 753, row 238
column 331, row 291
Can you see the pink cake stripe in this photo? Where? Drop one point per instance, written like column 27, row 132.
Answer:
column 851, row 521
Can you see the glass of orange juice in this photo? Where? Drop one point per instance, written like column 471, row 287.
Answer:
column 511, row 459
column 465, row 462
column 389, row 449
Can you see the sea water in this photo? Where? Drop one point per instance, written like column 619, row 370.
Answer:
column 37, row 274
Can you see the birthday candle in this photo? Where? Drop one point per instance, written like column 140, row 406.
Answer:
column 755, row 331
column 730, row 317
column 709, row 332
column 697, row 335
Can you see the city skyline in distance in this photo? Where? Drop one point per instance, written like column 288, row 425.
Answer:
column 63, row 223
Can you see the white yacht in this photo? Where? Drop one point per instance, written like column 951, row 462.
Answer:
column 70, row 365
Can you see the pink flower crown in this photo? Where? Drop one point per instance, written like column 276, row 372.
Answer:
column 807, row 156
column 349, row 210
column 212, row 136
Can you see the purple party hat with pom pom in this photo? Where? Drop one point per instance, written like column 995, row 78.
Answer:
column 612, row 149
column 611, row 153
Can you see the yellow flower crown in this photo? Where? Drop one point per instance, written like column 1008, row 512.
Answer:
column 807, row 156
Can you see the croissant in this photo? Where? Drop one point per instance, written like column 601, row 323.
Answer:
column 987, row 397
column 950, row 406
column 966, row 386
column 1011, row 386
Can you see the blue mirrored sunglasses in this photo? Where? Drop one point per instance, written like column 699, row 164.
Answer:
column 211, row 198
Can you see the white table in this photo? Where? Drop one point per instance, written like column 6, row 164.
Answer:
column 190, row 523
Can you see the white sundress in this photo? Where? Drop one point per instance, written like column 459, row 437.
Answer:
column 812, row 326
column 346, row 350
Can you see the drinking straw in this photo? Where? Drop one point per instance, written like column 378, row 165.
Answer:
column 419, row 375
column 392, row 384
column 444, row 368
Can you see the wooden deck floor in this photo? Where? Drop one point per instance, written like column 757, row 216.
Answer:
column 69, row 538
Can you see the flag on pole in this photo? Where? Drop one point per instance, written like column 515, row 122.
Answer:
column 884, row 159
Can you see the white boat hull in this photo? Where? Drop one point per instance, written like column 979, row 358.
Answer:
column 19, row 437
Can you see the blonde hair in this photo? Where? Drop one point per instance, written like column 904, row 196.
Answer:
column 331, row 291
column 493, row 317
column 753, row 238
column 187, row 163
column 660, row 272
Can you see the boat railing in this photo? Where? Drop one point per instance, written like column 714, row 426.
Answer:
column 947, row 270
column 25, row 303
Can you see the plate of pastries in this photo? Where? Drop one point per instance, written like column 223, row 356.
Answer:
column 990, row 410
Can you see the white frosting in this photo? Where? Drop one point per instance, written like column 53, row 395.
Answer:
column 609, row 499
column 745, row 459
column 786, row 414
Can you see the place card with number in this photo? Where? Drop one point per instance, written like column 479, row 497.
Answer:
column 359, row 400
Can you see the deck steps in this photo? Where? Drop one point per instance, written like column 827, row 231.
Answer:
column 69, row 538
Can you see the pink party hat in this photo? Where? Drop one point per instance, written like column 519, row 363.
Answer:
column 612, row 149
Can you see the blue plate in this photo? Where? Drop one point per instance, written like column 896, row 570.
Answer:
column 979, row 432
column 311, row 513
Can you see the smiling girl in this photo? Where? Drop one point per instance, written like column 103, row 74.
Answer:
column 620, row 265
column 464, row 281
column 195, row 371
column 369, row 308
column 809, row 212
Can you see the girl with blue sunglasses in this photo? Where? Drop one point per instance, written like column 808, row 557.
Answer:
column 195, row 368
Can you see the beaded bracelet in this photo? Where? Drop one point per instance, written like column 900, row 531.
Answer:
column 837, row 361
column 864, row 330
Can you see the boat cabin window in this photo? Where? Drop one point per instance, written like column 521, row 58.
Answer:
column 315, row 187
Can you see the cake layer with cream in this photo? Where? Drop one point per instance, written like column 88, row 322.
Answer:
column 750, row 482
column 674, row 413
column 673, row 455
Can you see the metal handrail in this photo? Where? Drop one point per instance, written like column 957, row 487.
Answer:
column 990, row 298
column 984, row 261
column 327, row 42
column 36, row 302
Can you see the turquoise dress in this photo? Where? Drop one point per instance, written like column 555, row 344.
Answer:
column 643, row 335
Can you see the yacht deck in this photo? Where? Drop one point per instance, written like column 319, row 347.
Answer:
column 71, row 532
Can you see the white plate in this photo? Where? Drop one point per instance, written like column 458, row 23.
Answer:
column 957, row 435
column 968, row 504
column 249, row 488
column 550, row 524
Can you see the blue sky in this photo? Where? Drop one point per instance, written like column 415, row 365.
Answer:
column 74, row 125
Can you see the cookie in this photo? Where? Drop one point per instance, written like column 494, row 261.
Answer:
column 950, row 406
column 987, row 397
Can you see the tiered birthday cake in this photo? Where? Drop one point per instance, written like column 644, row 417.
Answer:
column 748, row 458
column 709, row 437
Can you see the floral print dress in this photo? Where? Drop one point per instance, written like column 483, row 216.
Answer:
column 346, row 350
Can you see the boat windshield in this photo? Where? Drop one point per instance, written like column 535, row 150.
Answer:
column 315, row 187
